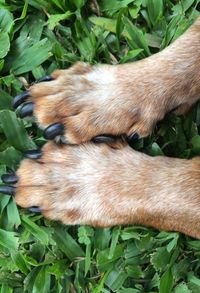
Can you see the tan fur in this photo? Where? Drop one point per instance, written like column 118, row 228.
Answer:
column 97, row 185
column 121, row 99
column 102, row 185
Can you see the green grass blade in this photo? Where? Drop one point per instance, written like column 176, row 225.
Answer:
column 67, row 244
column 38, row 232
column 15, row 132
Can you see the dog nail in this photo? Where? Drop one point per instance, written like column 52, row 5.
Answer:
column 9, row 178
column 53, row 130
column 104, row 139
column 9, row 190
column 133, row 137
column 45, row 78
column 34, row 210
column 33, row 154
column 26, row 110
column 19, row 99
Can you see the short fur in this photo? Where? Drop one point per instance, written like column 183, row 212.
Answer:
column 103, row 186
column 121, row 99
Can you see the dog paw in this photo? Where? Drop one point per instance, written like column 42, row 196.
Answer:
column 73, row 184
column 94, row 184
column 85, row 102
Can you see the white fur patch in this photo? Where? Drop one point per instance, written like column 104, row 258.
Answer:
column 101, row 75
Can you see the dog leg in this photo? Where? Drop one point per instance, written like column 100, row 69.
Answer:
column 97, row 185
column 86, row 101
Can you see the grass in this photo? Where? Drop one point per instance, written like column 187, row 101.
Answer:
column 37, row 255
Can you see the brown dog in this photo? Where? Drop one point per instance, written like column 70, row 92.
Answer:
column 101, row 185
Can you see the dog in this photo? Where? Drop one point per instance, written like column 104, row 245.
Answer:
column 91, row 179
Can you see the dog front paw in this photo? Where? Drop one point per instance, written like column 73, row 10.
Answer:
column 83, row 103
column 73, row 184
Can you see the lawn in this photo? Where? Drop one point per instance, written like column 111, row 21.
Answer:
column 38, row 255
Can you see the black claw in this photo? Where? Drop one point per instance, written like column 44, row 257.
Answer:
column 133, row 137
column 9, row 190
column 33, row 154
column 19, row 99
column 104, row 139
column 53, row 130
column 26, row 110
column 35, row 210
column 45, row 78
column 9, row 178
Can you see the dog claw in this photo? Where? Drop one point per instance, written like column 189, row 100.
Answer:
column 53, row 130
column 104, row 139
column 45, row 78
column 19, row 99
column 26, row 110
column 9, row 178
column 133, row 137
column 8, row 190
column 33, row 154
column 34, row 210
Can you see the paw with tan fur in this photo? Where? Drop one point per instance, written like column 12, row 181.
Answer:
column 100, row 186
column 86, row 101
column 73, row 184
